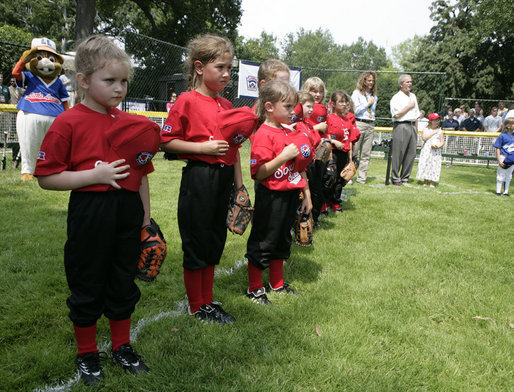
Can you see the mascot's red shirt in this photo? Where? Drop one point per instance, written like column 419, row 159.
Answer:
column 343, row 129
column 81, row 138
column 193, row 119
column 267, row 143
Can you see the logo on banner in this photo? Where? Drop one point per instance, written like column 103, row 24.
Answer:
column 251, row 83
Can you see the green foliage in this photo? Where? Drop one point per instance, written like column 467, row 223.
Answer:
column 473, row 42
column 172, row 21
column 257, row 49
column 391, row 289
column 10, row 54
column 315, row 49
column 51, row 19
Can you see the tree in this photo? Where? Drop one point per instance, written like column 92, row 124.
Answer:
column 10, row 53
column 473, row 42
column 403, row 53
column 85, row 20
column 53, row 19
column 257, row 49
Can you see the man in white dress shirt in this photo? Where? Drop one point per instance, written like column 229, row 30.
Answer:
column 405, row 113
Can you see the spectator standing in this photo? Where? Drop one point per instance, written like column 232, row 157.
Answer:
column 451, row 123
column 471, row 124
column 493, row 122
column 502, row 109
column 15, row 92
column 171, row 103
column 504, row 148
column 405, row 112
column 364, row 98
column 422, row 121
column 459, row 116
column 5, row 95
column 70, row 84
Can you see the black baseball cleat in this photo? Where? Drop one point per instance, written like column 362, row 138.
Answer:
column 259, row 296
column 221, row 314
column 208, row 314
column 129, row 359
column 283, row 289
column 90, row 368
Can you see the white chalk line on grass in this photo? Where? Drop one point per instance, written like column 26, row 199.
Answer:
column 179, row 309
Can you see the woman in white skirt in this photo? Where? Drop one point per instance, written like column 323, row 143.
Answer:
column 429, row 165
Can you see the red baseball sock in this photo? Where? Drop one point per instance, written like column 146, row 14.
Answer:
column 254, row 277
column 86, row 339
column 207, row 284
column 276, row 273
column 193, row 283
column 120, row 333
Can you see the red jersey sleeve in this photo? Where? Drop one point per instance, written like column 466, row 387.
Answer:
column 54, row 154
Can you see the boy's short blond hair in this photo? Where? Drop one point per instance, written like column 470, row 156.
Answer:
column 269, row 68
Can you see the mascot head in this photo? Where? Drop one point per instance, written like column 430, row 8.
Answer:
column 43, row 59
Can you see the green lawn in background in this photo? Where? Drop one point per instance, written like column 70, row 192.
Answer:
column 410, row 289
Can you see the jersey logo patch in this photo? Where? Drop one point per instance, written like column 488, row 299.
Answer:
column 38, row 97
column 253, row 162
column 41, row 156
column 238, row 139
column 320, row 119
column 144, row 157
column 166, row 129
column 251, row 83
column 305, row 150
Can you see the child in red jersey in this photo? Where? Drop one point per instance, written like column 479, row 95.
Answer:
column 343, row 133
column 315, row 87
column 315, row 169
column 213, row 169
column 278, row 161
column 103, row 155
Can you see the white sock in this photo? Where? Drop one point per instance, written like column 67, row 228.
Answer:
column 506, row 186
column 498, row 187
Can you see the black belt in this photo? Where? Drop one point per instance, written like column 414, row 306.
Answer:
column 405, row 122
column 366, row 121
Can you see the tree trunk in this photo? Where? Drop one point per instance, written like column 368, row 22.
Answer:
column 85, row 19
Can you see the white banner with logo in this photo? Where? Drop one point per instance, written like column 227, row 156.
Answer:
column 247, row 85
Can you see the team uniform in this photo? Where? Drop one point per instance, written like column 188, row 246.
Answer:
column 344, row 130
column 505, row 142
column 104, row 224
column 40, row 104
column 205, row 189
column 319, row 114
column 276, row 201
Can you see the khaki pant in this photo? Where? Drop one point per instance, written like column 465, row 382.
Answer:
column 363, row 148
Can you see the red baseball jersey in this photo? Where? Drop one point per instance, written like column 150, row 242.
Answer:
column 268, row 142
column 319, row 114
column 81, row 138
column 193, row 119
column 343, row 129
column 303, row 126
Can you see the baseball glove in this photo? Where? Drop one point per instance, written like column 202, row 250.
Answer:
column 303, row 229
column 323, row 151
column 330, row 175
column 153, row 252
column 348, row 171
column 240, row 211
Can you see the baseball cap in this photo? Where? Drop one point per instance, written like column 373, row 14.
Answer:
column 236, row 125
column 433, row 116
column 304, row 144
column 135, row 139
column 45, row 44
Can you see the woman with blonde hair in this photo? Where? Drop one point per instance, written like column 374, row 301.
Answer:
column 364, row 98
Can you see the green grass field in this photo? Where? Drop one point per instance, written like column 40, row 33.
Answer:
column 410, row 289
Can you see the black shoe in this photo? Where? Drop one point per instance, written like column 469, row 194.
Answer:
column 90, row 368
column 498, row 194
column 221, row 314
column 283, row 289
column 207, row 314
column 259, row 296
column 129, row 359
column 397, row 183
